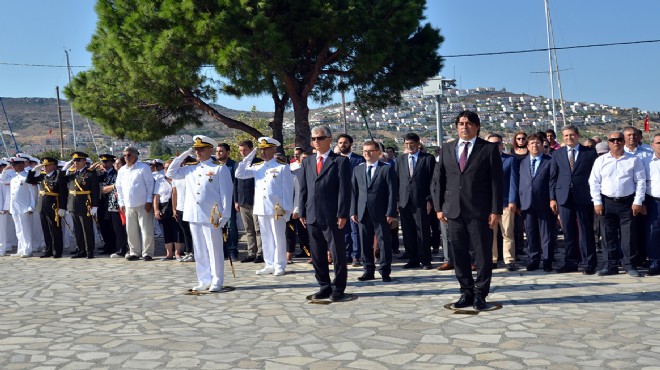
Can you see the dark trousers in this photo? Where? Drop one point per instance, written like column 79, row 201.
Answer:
column 352, row 240
column 121, row 239
column 394, row 236
column 232, row 237
column 618, row 219
column 369, row 228
column 83, row 226
column 184, row 228
column 639, row 248
column 466, row 235
column 653, row 229
column 168, row 224
column 52, row 233
column 324, row 238
column 416, row 233
column 105, row 228
column 296, row 233
column 538, row 224
column 574, row 218
column 434, row 225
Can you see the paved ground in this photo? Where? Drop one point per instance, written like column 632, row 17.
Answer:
column 108, row 313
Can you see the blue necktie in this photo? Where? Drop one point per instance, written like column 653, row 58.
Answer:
column 533, row 167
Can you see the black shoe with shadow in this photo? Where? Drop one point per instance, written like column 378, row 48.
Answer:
column 367, row 276
column 567, row 269
column 479, row 303
column 533, row 266
column 248, row 259
column 466, row 300
column 387, row 279
column 411, row 265
column 321, row 295
column 589, row 270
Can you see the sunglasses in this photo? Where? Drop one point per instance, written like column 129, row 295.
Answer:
column 521, row 138
column 615, row 140
column 78, row 159
column 319, row 138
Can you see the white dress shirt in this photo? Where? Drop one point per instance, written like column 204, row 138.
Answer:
column 135, row 185
column 164, row 189
column 576, row 150
column 180, row 185
column 617, row 178
column 652, row 167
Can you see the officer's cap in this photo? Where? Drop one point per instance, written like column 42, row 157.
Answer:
column 157, row 161
column 17, row 159
column 107, row 157
column 48, row 160
column 79, row 155
column 201, row 141
column 3, row 162
column 267, row 142
column 61, row 163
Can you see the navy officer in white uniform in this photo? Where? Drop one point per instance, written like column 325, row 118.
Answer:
column 207, row 207
column 23, row 205
column 273, row 201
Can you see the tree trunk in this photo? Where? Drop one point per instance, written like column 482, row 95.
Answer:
column 301, row 114
column 277, row 124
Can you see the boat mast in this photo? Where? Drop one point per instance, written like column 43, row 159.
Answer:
column 552, row 74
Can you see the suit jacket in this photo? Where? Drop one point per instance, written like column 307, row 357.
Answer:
column 86, row 180
column 534, row 192
column 477, row 191
column 415, row 189
column 326, row 196
column 244, row 188
column 355, row 160
column 56, row 184
column 563, row 181
column 379, row 197
column 510, row 165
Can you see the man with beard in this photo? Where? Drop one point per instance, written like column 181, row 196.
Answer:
column 345, row 144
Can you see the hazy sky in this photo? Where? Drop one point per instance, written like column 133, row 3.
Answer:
column 36, row 32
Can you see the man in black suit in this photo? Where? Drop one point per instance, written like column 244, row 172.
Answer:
column 569, row 196
column 51, row 203
column 325, row 201
column 243, row 202
column 415, row 171
column 373, row 209
column 351, row 237
column 469, row 176
column 533, row 198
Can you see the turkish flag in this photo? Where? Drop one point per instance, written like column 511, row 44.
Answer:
column 50, row 132
column 646, row 124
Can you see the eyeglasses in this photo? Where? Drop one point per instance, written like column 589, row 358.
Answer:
column 128, row 155
column 546, row 147
column 319, row 138
column 615, row 140
column 370, row 151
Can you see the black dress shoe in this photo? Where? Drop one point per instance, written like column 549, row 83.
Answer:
column 411, row 265
column 608, row 271
column 533, row 266
column 427, row 267
column 387, row 279
column 511, row 267
column 567, row 269
column 90, row 256
column 547, row 268
column 466, row 300
column 589, row 270
column 367, row 276
column 46, row 256
column 248, row 259
column 479, row 303
column 148, row 258
column 337, row 296
column 57, row 256
column 321, row 295
column 653, row 270
column 79, row 256
column 259, row 259
column 404, row 256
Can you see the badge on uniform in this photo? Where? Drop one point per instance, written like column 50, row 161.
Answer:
column 275, row 173
column 210, row 175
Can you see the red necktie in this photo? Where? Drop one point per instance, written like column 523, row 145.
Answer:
column 319, row 164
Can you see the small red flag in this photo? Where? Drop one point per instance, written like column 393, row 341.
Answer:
column 50, row 132
column 646, row 124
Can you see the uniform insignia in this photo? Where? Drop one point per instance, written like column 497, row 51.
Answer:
column 210, row 175
column 280, row 161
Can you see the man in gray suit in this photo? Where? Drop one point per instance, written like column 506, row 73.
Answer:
column 373, row 208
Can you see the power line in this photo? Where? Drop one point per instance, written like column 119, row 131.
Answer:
column 546, row 49
column 39, row 65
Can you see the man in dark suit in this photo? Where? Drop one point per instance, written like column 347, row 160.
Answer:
column 243, row 203
column 415, row 171
column 351, row 237
column 325, row 202
column 469, row 176
column 83, row 202
column 569, row 196
column 533, row 198
column 51, row 203
column 222, row 156
column 373, row 209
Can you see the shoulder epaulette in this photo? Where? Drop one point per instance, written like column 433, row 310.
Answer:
column 191, row 163
column 280, row 161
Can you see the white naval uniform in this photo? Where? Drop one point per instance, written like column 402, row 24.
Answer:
column 207, row 184
column 273, row 182
column 23, row 200
column 7, row 229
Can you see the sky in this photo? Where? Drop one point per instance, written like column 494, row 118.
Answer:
column 37, row 32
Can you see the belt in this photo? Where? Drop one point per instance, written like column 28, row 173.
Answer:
column 78, row 192
column 49, row 194
column 619, row 199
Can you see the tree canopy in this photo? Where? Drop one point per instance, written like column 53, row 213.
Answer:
column 151, row 58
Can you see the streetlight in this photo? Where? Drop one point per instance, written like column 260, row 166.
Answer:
column 435, row 87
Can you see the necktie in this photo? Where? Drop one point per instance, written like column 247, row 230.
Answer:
column 571, row 158
column 319, row 164
column 369, row 175
column 411, row 164
column 462, row 161
column 533, row 169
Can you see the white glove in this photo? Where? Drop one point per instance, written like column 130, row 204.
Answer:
column 190, row 152
column 37, row 168
column 61, row 212
column 223, row 221
column 67, row 165
column 93, row 211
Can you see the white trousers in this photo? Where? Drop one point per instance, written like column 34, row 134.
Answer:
column 7, row 230
column 273, row 241
column 140, row 231
column 24, row 224
column 209, row 257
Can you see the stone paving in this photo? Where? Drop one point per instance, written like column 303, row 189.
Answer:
column 110, row 313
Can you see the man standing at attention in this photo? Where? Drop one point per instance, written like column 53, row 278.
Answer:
column 569, row 196
column 222, row 156
column 351, row 237
column 207, row 206
column 469, row 176
column 135, row 189
column 273, row 201
column 325, row 201
column 244, row 204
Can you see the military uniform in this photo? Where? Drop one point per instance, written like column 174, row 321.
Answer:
column 83, row 202
column 273, row 203
column 207, row 204
column 6, row 222
column 52, row 198
column 106, row 177
column 23, row 205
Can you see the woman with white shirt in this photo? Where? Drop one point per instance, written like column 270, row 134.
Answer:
column 163, row 213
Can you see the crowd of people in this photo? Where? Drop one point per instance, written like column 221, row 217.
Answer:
column 335, row 207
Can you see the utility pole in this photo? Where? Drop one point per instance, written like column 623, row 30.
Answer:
column 73, row 120
column 343, row 111
column 59, row 120
column 435, row 87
